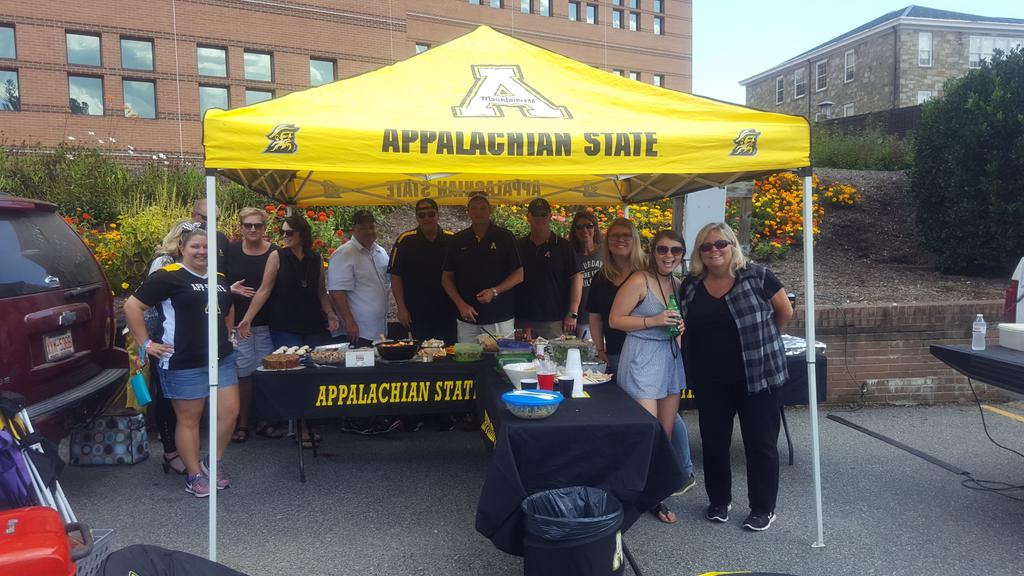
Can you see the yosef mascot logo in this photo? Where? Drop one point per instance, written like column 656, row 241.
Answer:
column 282, row 140
column 745, row 143
column 500, row 87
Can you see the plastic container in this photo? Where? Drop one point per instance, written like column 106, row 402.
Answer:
column 572, row 531
column 532, row 406
column 468, row 352
column 978, row 333
column 397, row 350
column 1012, row 336
column 517, row 371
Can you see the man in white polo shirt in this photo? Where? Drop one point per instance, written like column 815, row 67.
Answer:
column 358, row 282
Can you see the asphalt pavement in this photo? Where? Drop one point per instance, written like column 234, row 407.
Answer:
column 404, row 504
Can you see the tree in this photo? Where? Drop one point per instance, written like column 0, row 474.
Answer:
column 968, row 175
column 11, row 100
column 78, row 107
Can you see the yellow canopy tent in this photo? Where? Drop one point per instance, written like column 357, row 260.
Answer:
column 489, row 112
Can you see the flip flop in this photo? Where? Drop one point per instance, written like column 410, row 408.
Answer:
column 268, row 430
column 241, row 435
column 664, row 515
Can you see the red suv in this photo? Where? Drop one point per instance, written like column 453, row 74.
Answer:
column 56, row 316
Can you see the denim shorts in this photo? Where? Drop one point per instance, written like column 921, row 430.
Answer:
column 251, row 350
column 194, row 383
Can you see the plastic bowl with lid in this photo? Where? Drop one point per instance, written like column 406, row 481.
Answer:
column 531, row 405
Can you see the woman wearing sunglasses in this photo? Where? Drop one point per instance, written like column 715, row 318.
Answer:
column 650, row 365
column 585, row 237
column 734, row 310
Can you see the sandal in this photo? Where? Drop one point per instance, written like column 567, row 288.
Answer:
column 241, row 434
column 664, row 515
column 173, row 463
column 268, row 430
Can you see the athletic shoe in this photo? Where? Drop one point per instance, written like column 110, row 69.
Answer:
column 360, row 426
column 223, row 480
column 718, row 513
column 197, row 485
column 384, row 426
column 690, row 483
column 759, row 521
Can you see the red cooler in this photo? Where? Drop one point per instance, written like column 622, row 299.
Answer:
column 34, row 541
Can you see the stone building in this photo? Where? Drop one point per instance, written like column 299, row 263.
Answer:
column 900, row 59
column 134, row 78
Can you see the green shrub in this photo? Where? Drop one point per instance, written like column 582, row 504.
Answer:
column 968, row 175
column 870, row 149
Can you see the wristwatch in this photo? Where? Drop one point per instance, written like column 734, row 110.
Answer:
column 494, row 292
column 573, row 315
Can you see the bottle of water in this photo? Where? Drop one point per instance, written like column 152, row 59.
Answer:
column 978, row 333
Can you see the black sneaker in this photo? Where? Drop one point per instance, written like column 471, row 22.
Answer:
column 690, row 483
column 385, row 426
column 759, row 521
column 718, row 513
column 353, row 426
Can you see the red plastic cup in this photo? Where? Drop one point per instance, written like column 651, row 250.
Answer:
column 546, row 381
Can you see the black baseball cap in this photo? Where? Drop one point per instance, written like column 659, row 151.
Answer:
column 539, row 207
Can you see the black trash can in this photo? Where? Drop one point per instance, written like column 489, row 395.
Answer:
column 572, row 531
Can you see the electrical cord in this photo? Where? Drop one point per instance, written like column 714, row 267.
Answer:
column 859, row 404
column 994, row 486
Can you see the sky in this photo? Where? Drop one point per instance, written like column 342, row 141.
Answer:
column 736, row 39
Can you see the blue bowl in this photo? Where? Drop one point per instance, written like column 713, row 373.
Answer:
column 531, row 407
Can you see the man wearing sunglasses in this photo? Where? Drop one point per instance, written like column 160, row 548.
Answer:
column 416, row 260
column 549, row 297
column 358, row 282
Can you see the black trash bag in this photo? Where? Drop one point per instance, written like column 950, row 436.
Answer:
column 571, row 513
column 147, row 560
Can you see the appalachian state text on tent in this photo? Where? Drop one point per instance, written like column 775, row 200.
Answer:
column 459, row 143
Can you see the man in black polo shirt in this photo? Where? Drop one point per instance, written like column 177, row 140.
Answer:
column 480, row 270
column 416, row 261
column 549, row 296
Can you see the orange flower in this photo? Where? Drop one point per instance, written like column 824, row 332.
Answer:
column 86, row 216
column 280, row 213
column 339, row 233
column 321, row 217
column 310, row 214
column 270, row 208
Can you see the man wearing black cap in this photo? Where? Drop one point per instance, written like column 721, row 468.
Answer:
column 480, row 270
column 549, row 296
column 416, row 261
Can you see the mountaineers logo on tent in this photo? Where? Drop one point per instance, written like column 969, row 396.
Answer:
column 746, row 143
column 498, row 87
column 282, row 140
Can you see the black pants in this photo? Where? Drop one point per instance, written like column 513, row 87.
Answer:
column 166, row 420
column 717, row 404
column 435, row 329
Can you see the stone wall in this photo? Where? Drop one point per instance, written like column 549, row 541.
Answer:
column 881, row 353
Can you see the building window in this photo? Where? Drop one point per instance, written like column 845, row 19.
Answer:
column 616, row 18
column 474, row 2
column 981, row 47
column 634, row 21
column 634, row 75
column 634, row 4
column 139, row 98
column 83, row 49
column 591, row 13
column 544, row 7
column 495, row 3
column 85, row 95
column 659, row 25
column 321, row 72
column 848, row 110
column 212, row 97
column 659, row 6
column 924, row 48
column 799, row 83
column 526, row 6
column 136, row 54
column 258, row 66
column 421, row 48
column 923, row 96
column 849, row 65
column 618, row 72
column 820, row 75
column 659, row 80
column 10, row 97
column 212, row 61
column 780, row 90
column 257, row 96
column 616, row 2
column 574, row 11
column 7, row 47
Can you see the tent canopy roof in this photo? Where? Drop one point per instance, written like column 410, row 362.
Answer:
column 489, row 112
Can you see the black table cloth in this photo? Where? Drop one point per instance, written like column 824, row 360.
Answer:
column 995, row 365
column 607, row 441
column 794, row 390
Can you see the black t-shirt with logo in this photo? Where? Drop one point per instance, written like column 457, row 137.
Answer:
column 547, row 272
column 599, row 301
column 483, row 264
column 418, row 261
column 240, row 266
column 179, row 295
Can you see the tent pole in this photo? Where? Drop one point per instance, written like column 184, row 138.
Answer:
column 625, row 210
column 212, row 353
column 812, row 386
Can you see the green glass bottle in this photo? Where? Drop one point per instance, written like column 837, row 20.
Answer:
column 672, row 305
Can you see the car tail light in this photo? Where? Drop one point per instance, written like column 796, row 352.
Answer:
column 1012, row 298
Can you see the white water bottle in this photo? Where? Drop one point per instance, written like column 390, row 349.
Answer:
column 978, row 333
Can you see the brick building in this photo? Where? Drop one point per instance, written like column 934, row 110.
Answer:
column 900, row 59
column 134, row 78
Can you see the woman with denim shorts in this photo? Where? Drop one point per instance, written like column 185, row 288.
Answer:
column 179, row 347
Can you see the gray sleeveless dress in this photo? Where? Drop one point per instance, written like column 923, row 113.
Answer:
column 651, row 365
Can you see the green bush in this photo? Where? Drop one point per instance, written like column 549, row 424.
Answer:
column 968, row 176
column 870, row 149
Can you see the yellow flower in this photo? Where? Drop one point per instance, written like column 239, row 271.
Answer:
column 112, row 225
column 125, row 285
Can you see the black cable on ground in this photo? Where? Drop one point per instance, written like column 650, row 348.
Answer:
column 997, row 487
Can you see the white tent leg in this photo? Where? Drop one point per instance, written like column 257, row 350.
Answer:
column 812, row 385
column 625, row 210
column 212, row 364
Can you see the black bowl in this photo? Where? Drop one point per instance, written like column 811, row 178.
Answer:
column 398, row 350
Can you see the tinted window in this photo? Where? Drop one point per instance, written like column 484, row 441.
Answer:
column 212, row 61
column 321, row 72
column 257, row 66
column 9, row 96
column 257, row 96
column 83, row 49
column 137, row 54
column 37, row 246
column 7, row 42
column 139, row 99
column 212, row 97
column 86, row 95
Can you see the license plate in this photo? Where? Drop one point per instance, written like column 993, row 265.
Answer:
column 58, row 346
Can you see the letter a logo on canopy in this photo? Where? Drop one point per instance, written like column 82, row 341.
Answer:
column 497, row 87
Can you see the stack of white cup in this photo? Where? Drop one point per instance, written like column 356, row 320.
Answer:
column 574, row 369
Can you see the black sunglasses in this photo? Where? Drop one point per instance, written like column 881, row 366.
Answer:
column 718, row 244
column 584, row 226
column 675, row 250
column 287, row 233
column 253, row 225
column 426, row 214
column 540, row 213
